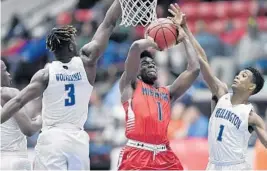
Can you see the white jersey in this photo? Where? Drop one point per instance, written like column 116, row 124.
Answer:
column 66, row 98
column 12, row 139
column 228, row 132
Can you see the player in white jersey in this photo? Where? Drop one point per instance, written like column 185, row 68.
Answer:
column 66, row 86
column 14, row 131
column 233, row 118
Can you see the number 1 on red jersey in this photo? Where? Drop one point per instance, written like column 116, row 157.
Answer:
column 159, row 111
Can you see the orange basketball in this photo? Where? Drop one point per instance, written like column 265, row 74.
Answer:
column 164, row 32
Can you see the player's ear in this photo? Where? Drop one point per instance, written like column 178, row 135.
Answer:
column 252, row 87
column 71, row 47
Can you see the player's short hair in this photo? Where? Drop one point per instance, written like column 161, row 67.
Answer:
column 257, row 79
column 5, row 61
column 146, row 53
column 59, row 37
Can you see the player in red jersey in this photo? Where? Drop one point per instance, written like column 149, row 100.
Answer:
column 148, row 107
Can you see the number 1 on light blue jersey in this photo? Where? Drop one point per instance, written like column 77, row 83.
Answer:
column 219, row 138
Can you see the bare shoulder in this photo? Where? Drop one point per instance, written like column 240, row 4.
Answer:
column 41, row 75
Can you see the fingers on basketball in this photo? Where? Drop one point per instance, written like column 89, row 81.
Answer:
column 164, row 32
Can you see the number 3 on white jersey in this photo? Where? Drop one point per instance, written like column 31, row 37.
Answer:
column 70, row 101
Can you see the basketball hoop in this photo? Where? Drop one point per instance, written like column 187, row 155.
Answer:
column 136, row 12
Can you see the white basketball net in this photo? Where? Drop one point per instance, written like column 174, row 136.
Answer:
column 138, row 12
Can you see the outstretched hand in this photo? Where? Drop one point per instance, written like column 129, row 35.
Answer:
column 179, row 18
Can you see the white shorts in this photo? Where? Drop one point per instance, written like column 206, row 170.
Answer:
column 15, row 162
column 237, row 167
column 61, row 149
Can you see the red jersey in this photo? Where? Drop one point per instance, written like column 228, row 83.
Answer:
column 148, row 114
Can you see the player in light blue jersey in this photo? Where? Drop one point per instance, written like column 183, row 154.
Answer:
column 233, row 118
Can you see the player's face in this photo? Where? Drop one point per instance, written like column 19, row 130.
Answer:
column 243, row 82
column 5, row 76
column 148, row 70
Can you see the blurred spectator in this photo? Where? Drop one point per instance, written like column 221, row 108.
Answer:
column 197, row 122
column 210, row 43
column 112, row 97
column 98, row 115
column 261, row 153
column 99, row 153
column 176, row 124
column 250, row 47
column 262, row 8
column 16, row 29
column 87, row 31
column 26, row 69
column 115, row 132
column 231, row 37
column 84, row 4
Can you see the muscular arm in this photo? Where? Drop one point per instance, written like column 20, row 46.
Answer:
column 217, row 87
column 259, row 126
column 186, row 79
column 35, row 89
column 93, row 50
column 27, row 126
column 133, row 61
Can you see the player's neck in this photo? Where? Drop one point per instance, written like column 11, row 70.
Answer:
column 151, row 83
column 155, row 85
column 239, row 98
column 64, row 57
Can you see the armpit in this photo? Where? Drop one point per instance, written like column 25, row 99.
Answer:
column 215, row 98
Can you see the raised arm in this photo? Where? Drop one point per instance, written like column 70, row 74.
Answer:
column 217, row 87
column 96, row 47
column 258, row 125
column 35, row 89
column 186, row 79
column 133, row 60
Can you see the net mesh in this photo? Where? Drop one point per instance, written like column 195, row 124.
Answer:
column 136, row 12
